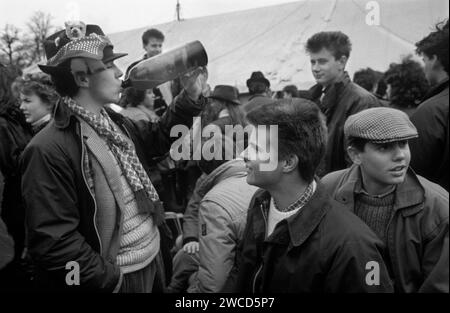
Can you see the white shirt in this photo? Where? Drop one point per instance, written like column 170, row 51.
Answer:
column 276, row 216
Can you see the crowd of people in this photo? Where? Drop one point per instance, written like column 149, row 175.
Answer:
column 357, row 200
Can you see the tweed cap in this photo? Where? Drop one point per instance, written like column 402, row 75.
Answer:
column 380, row 125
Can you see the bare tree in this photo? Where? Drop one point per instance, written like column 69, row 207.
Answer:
column 10, row 43
column 40, row 27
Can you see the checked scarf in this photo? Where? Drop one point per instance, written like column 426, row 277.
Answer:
column 122, row 149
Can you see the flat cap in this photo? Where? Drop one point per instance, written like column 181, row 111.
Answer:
column 380, row 125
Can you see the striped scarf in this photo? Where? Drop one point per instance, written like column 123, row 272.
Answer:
column 124, row 152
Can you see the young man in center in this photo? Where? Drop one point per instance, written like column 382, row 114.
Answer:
column 296, row 238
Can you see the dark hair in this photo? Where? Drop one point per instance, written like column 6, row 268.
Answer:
column 64, row 81
column 236, row 117
column 41, row 85
column 357, row 143
column 436, row 43
column 151, row 33
column 301, row 131
column 408, row 83
column 337, row 43
column 257, row 88
column 366, row 78
column 134, row 97
column 8, row 102
column 382, row 87
column 7, row 76
column 292, row 90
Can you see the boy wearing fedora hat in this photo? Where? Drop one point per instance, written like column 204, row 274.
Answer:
column 91, row 206
column 259, row 89
column 408, row 212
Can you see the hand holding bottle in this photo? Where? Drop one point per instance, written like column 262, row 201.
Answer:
column 194, row 82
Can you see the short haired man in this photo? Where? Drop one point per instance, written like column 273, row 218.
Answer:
column 296, row 238
column 430, row 152
column 408, row 212
column 337, row 96
column 259, row 89
column 89, row 200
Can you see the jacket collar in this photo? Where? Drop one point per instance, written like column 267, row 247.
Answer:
column 300, row 225
column 407, row 194
column 437, row 89
column 317, row 89
column 231, row 168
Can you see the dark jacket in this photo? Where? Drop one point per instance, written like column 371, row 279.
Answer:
column 417, row 236
column 6, row 246
column 429, row 152
column 321, row 248
column 341, row 100
column 256, row 101
column 14, row 136
column 61, row 210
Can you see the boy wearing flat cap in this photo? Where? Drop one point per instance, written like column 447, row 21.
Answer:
column 94, row 219
column 408, row 212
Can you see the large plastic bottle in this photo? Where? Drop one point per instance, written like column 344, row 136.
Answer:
column 166, row 66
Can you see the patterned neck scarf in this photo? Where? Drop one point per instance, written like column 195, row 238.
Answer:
column 122, row 149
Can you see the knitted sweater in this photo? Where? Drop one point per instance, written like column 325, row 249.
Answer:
column 139, row 243
column 375, row 211
column 139, row 239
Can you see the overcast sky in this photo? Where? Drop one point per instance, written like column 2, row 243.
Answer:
column 114, row 15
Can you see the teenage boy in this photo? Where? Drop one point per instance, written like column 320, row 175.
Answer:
column 406, row 211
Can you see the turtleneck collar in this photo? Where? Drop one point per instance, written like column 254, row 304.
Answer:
column 43, row 120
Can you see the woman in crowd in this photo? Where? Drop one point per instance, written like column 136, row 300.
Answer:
column 20, row 119
column 37, row 99
column 139, row 105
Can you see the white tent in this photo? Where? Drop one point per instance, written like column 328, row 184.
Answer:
column 271, row 39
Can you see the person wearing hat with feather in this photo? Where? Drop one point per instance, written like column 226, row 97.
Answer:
column 90, row 205
column 408, row 212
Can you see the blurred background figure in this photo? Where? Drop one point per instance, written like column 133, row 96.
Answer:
column 430, row 152
column 278, row 95
column 372, row 81
column 139, row 105
column 219, row 203
column 259, row 89
column 406, row 85
column 15, row 134
column 290, row 91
